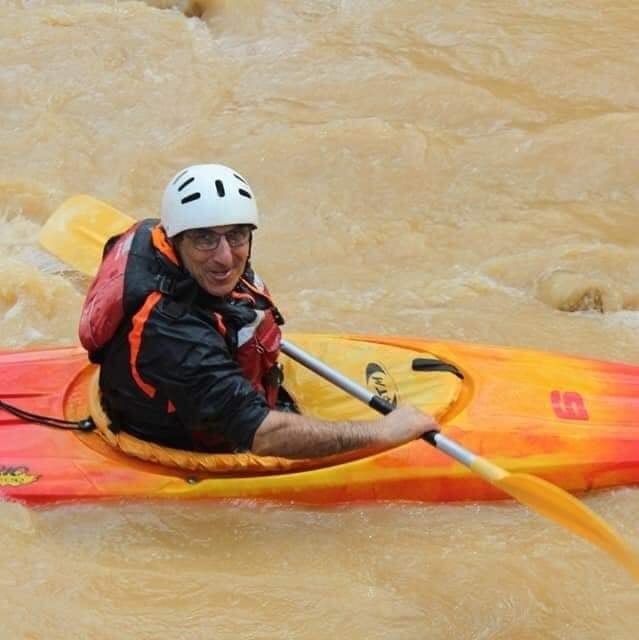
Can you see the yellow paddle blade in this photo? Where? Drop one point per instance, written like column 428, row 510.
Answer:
column 556, row 504
column 77, row 230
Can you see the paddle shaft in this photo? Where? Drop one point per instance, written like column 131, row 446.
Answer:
column 380, row 405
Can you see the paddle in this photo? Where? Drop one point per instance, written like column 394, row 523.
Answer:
column 76, row 233
column 541, row 496
column 77, row 230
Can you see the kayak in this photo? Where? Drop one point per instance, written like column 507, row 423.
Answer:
column 570, row 420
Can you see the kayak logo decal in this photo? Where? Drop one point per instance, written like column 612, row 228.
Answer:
column 381, row 383
column 568, row 405
column 16, row 476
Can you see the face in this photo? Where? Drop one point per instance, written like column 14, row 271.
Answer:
column 217, row 270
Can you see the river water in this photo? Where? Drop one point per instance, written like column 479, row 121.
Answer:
column 461, row 170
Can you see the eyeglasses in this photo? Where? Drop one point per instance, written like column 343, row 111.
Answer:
column 207, row 240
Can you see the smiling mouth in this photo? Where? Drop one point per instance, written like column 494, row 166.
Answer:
column 219, row 275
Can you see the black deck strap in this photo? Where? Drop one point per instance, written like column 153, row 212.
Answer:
column 432, row 364
column 79, row 425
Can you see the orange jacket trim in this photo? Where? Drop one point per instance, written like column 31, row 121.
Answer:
column 135, row 340
column 219, row 322
column 162, row 244
column 237, row 295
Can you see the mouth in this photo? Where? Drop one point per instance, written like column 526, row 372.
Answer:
column 219, row 276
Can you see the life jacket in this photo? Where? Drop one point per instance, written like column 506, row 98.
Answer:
column 132, row 271
column 258, row 342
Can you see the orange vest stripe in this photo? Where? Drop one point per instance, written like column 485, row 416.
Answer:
column 135, row 340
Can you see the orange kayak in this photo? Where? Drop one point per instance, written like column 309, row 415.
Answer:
column 572, row 421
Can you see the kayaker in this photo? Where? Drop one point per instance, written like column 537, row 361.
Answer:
column 188, row 336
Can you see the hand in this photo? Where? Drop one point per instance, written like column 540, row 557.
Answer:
column 406, row 423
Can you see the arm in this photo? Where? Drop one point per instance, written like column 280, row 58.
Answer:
column 294, row 436
column 208, row 389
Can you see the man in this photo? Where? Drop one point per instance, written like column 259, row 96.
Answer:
column 188, row 336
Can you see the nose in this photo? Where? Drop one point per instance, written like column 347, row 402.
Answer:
column 223, row 254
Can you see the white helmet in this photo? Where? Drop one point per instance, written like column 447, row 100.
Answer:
column 207, row 195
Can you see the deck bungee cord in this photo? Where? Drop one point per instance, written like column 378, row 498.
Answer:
column 86, row 424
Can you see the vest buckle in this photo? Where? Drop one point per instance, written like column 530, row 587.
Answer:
column 166, row 285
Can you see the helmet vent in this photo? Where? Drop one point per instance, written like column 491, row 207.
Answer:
column 190, row 198
column 240, row 178
column 245, row 193
column 219, row 185
column 184, row 184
